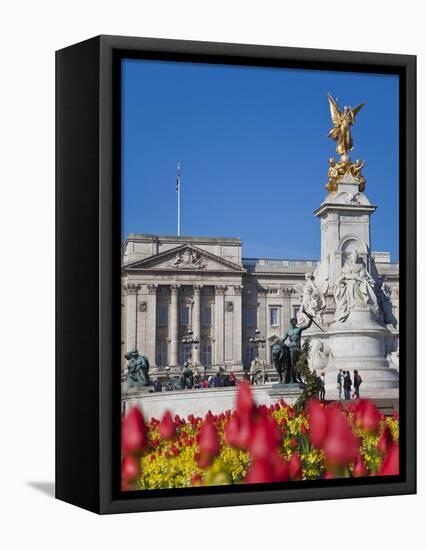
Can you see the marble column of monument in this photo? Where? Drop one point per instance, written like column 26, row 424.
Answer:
column 196, row 322
column 174, row 326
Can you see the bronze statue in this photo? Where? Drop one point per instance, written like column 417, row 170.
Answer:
column 341, row 131
column 137, row 369
column 337, row 170
column 282, row 361
column 294, row 336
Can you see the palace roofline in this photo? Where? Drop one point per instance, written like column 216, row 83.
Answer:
column 173, row 238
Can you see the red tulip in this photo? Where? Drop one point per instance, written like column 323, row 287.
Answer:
column 130, row 468
column 245, row 402
column 232, row 428
column 390, row 466
column 203, row 460
column 261, row 471
column 124, row 485
column 318, row 423
column 328, row 475
column 340, row 444
column 208, row 439
column 366, row 415
column 134, row 437
column 280, row 467
column 196, row 479
column 238, row 431
column 265, row 437
column 295, row 467
column 359, row 469
column 167, row 427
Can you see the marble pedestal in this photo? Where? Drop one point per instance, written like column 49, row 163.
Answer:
column 359, row 343
column 289, row 392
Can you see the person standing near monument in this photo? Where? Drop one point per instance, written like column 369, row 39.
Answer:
column 357, row 383
column 340, row 383
column 322, row 392
column 347, row 384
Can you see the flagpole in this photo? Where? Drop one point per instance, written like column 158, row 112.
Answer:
column 178, row 198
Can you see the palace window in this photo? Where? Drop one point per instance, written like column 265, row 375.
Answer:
column 249, row 356
column 274, row 315
column 206, row 315
column 206, row 354
column 184, row 315
column 163, row 315
column 162, row 354
column 184, row 353
column 250, row 316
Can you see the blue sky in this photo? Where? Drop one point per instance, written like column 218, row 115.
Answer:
column 254, row 152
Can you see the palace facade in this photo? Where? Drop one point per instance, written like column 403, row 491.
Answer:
column 171, row 283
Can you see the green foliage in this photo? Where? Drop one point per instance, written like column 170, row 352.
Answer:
column 311, row 382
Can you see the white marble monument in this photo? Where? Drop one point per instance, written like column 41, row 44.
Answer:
column 345, row 295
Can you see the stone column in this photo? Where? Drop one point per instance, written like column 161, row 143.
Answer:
column 151, row 324
column 219, row 323
column 132, row 319
column 287, row 313
column 174, row 326
column 196, row 322
column 268, row 351
column 262, row 318
column 238, row 327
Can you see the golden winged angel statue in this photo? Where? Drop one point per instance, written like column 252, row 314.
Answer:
column 342, row 120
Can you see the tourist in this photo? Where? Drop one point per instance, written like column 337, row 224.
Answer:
column 357, row 383
column 347, row 384
column 322, row 391
column 232, row 380
column 157, row 386
column 340, row 383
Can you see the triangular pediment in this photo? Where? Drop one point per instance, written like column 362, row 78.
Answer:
column 184, row 258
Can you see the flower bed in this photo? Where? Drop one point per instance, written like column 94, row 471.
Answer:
column 258, row 444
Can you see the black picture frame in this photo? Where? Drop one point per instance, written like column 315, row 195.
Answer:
column 88, row 249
